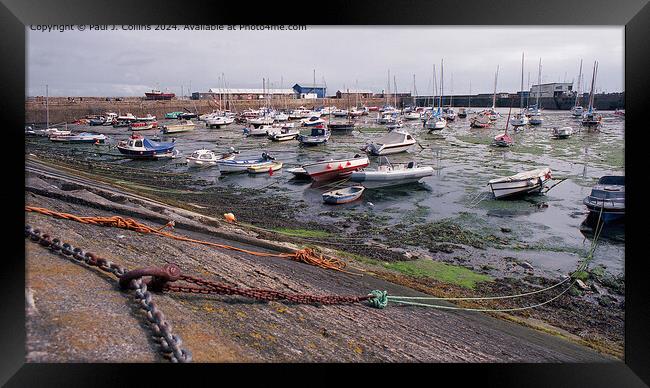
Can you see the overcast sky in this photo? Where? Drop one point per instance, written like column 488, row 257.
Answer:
column 129, row 63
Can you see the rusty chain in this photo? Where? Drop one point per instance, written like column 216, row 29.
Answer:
column 170, row 344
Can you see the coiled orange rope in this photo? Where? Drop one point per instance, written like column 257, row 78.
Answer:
column 305, row 255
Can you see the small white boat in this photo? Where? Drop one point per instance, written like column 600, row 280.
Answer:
column 318, row 135
column 562, row 133
column 397, row 124
column 334, row 168
column 346, row 195
column 48, row 132
column 218, row 121
column 183, row 126
column 148, row 117
column 436, row 123
column 388, row 174
column 535, row 118
column 283, row 134
column 412, row 116
column 519, row 184
column 313, row 121
column 519, row 120
column 84, row 137
column 127, row 117
column 261, row 130
column 265, row 167
column 263, row 120
column 577, row 111
column 299, row 173
column 392, row 143
column 206, row 158
column 281, row 117
column 234, row 165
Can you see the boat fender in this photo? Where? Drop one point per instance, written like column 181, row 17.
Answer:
column 229, row 217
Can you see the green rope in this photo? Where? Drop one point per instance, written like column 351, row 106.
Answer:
column 379, row 300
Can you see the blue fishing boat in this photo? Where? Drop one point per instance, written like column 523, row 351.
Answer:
column 607, row 199
column 138, row 147
column 243, row 165
column 319, row 135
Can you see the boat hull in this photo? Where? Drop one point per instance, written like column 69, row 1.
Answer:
column 376, row 179
column 335, row 169
column 517, row 188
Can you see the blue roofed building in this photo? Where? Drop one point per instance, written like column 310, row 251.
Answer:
column 309, row 88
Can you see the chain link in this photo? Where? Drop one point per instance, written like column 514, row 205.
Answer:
column 170, row 344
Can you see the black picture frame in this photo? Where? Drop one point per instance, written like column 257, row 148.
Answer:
column 633, row 14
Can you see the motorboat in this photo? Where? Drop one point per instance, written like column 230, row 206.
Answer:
column 263, row 167
column 234, row 165
column 519, row 184
column 47, row 132
column 344, row 195
column 262, row 120
column 388, row 174
column 561, row 133
column 462, row 113
column 387, row 118
column 345, row 126
column 340, row 113
column 95, row 121
column 172, row 115
column 261, row 130
column 319, row 135
column 312, row 121
column 281, row 116
column 206, row 158
column 148, row 117
column 283, row 134
column 299, row 173
column 143, row 126
column 300, row 113
column 449, row 114
column 138, row 147
column 183, row 126
column 577, row 111
column 394, row 142
column 110, row 116
column 187, row 116
column 126, row 117
column 330, row 169
column 84, row 137
column 218, row 121
column 607, row 199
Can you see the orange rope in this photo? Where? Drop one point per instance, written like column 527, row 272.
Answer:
column 306, row 255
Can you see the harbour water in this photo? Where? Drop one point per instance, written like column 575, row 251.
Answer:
column 463, row 161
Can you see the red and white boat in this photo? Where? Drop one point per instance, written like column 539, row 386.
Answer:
column 143, row 126
column 335, row 168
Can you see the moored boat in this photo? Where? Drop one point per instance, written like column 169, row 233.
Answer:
column 218, row 121
column 561, row 133
column 607, row 199
column 183, row 126
column 261, row 130
column 138, row 147
column 283, row 134
column 334, row 168
column 388, row 174
column 519, row 184
column 264, row 167
column 319, row 135
column 345, row 195
column 392, row 143
column 143, row 126
column 235, row 165
column 205, row 158
column 172, row 115
column 84, row 137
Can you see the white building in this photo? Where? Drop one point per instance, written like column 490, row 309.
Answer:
column 552, row 89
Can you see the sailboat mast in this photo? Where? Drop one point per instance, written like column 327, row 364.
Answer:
column 451, row 95
column 539, row 82
column 435, row 89
column 521, row 102
column 579, row 84
column 395, row 89
column 442, row 83
column 470, row 94
column 494, row 96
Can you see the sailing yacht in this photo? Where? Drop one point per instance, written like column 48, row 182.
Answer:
column 590, row 118
column 437, row 122
column 577, row 109
column 520, row 119
column 535, row 114
column 492, row 114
